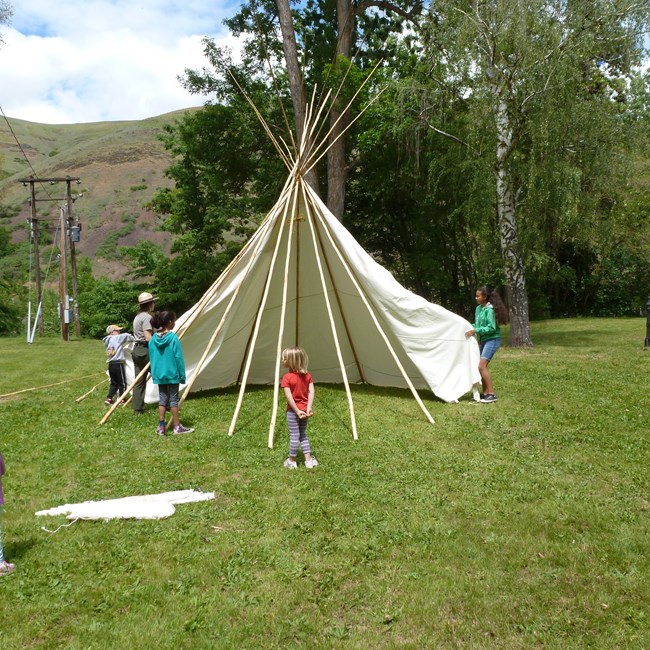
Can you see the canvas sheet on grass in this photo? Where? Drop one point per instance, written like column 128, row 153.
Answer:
column 148, row 506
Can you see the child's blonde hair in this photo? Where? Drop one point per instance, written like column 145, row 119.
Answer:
column 296, row 360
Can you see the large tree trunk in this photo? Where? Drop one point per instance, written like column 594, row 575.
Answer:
column 337, row 170
column 295, row 79
column 516, row 295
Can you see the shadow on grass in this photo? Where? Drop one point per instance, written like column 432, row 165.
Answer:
column 16, row 550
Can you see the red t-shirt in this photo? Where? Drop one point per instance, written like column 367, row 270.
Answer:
column 299, row 385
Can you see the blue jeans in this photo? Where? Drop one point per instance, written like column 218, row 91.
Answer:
column 489, row 348
column 168, row 395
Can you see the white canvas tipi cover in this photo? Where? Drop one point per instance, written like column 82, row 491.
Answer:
column 303, row 280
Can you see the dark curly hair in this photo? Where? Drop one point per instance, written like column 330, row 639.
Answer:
column 500, row 310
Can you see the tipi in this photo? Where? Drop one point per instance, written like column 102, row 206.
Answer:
column 302, row 279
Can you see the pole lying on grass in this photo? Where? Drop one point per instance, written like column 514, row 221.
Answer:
column 83, row 397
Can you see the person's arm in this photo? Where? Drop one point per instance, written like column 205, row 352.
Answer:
column 489, row 324
column 180, row 361
column 292, row 403
column 310, row 399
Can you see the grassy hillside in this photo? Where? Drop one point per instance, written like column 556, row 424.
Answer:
column 120, row 165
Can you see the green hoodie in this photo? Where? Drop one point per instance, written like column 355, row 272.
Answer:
column 485, row 323
column 166, row 356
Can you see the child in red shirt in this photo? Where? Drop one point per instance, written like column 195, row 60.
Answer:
column 299, row 391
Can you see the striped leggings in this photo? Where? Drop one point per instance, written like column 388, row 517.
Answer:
column 297, row 434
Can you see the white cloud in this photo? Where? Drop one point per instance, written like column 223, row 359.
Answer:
column 96, row 60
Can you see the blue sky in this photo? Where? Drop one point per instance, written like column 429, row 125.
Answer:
column 75, row 61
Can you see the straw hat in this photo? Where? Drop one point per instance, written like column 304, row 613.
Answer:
column 145, row 297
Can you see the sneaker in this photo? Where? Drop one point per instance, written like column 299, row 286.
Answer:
column 290, row 464
column 179, row 429
column 311, row 463
column 108, row 401
column 160, row 430
column 488, row 398
column 6, row 568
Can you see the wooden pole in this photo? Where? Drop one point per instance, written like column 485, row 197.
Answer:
column 63, row 277
column 142, row 373
column 37, row 260
column 73, row 261
column 207, row 296
column 329, row 313
column 83, row 397
column 199, row 366
column 377, row 324
column 278, row 354
column 259, row 318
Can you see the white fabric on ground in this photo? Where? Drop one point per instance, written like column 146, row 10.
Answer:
column 148, row 506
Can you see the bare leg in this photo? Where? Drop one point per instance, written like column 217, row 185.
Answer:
column 486, row 378
column 175, row 416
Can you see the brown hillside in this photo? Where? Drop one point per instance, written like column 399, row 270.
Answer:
column 120, row 165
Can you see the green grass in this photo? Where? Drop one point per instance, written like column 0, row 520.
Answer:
column 516, row 525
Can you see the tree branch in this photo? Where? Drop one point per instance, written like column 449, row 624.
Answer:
column 389, row 6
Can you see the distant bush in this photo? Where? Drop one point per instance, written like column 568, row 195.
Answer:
column 135, row 188
column 108, row 249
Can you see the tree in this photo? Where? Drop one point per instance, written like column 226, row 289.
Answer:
column 6, row 12
column 226, row 176
column 322, row 35
column 505, row 57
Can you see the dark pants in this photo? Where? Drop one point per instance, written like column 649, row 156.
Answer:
column 118, row 379
column 140, row 356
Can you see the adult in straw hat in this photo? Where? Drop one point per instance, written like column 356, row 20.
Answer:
column 142, row 332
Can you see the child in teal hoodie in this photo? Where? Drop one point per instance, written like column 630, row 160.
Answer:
column 167, row 368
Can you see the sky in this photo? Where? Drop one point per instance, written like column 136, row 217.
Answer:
column 72, row 61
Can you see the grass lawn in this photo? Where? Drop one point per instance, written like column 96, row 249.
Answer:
column 520, row 524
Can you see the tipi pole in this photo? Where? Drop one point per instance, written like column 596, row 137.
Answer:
column 199, row 365
column 83, row 397
column 286, row 157
column 258, row 320
column 278, row 354
column 142, row 373
column 377, row 325
column 343, row 318
column 186, row 326
column 207, row 296
column 312, row 162
column 329, row 312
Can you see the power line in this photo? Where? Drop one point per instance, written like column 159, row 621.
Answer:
column 22, row 151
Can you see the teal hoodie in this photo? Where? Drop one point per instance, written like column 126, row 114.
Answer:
column 166, row 357
column 485, row 323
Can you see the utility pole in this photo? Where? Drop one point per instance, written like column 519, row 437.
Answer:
column 73, row 261
column 37, row 265
column 65, row 225
column 64, row 300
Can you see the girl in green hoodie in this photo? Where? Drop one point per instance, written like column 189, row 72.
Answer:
column 490, row 313
column 167, row 368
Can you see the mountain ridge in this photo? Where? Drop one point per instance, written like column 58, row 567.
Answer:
column 120, row 165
